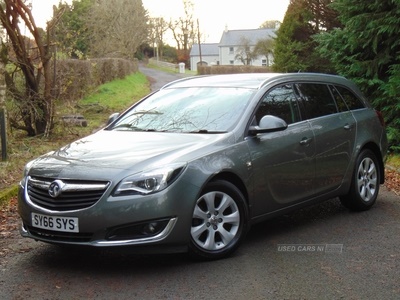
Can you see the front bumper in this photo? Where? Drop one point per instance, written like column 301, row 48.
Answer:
column 55, row 237
column 161, row 219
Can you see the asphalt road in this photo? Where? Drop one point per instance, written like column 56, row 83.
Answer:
column 321, row 252
column 158, row 78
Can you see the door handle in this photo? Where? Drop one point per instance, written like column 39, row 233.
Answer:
column 305, row 141
column 348, row 126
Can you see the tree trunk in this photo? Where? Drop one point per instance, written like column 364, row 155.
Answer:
column 36, row 106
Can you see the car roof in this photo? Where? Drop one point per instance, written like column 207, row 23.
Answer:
column 252, row 80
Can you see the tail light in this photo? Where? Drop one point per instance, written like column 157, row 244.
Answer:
column 380, row 117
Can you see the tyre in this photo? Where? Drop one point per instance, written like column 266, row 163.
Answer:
column 219, row 221
column 364, row 187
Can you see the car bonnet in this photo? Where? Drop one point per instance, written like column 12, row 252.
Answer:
column 107, row 153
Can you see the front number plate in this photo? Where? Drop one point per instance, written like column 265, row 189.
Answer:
column 65, row 224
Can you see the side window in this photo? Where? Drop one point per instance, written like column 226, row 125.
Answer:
column 352, row 101
column 281, row 102
column 316, row 99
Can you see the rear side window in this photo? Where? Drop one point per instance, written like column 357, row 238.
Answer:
column 352, row 101
column 316, row 99
column 280, row 102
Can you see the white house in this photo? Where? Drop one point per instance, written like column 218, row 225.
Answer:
column 231, row 43
column 209, row 54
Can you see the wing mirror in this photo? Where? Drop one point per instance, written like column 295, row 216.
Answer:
column 112, row 118
column 268, row 123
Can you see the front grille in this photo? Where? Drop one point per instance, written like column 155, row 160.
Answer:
column 74, row 194
column 59, row 236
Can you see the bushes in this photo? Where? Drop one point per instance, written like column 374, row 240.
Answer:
column 76, row 78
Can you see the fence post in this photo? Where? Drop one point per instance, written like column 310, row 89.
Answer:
column 3, row 123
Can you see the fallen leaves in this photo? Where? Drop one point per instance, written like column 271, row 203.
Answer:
column 392, row 181
column 9, row 219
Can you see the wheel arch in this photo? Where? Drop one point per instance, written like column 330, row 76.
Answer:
column 235, row 180
column 375, row 149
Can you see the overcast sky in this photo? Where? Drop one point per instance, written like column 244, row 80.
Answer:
column 213, row 15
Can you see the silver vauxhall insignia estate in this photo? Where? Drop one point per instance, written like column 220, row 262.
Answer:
column 192, row 166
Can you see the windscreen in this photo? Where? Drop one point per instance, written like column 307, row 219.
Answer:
column 197, row 109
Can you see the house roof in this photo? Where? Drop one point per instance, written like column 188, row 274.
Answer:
column 235, row 37
column 206, row 50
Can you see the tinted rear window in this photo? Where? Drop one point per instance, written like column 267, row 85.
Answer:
column 352, row 101
column 316, row 99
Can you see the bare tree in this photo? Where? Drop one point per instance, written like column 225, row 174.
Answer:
column 184, row 31
column 34, row 99
column 244, row 52
column 158, row 27
column 118, row 27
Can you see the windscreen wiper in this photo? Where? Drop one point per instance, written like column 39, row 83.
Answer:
column 127, row 126
column 206, row 131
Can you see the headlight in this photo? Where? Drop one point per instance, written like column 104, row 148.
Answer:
column 149, row 181
column 25, row 174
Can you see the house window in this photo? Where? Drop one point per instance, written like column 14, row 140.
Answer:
column 231, row 62
column 264, row 62
column 231, row 50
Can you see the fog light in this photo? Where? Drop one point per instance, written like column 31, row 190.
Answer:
column 137, row 230
column 150, row 228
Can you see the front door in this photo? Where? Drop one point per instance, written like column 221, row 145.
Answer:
column 283, row 162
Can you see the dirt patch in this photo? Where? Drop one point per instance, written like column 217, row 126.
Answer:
column 9, row 218
column 9, row 222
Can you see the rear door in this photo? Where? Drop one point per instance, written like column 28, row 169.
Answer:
column 334, row 129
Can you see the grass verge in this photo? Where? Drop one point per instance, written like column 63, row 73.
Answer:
column 170, row 70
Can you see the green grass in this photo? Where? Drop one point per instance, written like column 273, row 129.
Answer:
column 394, row 161
column 111, row 97
column 120, row 93
column 7, row 193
